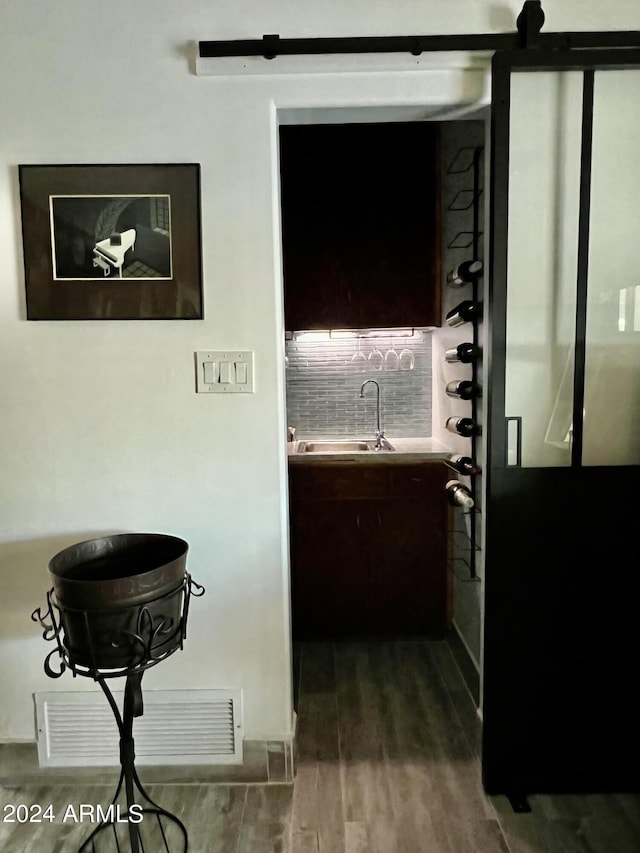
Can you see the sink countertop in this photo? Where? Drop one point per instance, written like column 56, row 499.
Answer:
column 406, row 450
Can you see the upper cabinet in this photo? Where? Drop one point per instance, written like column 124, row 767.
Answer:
column 360, row 225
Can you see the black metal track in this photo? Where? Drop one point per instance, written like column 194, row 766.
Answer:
column 271, row 46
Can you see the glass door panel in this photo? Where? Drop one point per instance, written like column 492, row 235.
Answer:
column 612, row 358
column 544, row 190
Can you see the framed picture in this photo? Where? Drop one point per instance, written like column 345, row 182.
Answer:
column 112, row 242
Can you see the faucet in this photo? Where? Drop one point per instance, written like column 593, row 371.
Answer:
column 381, row 441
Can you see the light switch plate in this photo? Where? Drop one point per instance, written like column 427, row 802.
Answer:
column 223, row 371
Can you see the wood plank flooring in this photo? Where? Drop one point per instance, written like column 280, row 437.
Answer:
column 387, row 762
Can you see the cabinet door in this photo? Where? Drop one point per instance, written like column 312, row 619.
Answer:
column 407, row 568
column 328, row 568
column 360, row 225
column 368, row 550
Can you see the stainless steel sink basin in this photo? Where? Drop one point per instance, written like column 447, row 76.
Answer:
column 341, row 446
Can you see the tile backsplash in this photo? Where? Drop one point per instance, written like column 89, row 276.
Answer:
column 324, row 378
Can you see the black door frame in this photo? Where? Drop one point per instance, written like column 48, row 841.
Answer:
column 520, row 606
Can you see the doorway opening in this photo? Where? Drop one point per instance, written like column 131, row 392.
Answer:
column 346, row 534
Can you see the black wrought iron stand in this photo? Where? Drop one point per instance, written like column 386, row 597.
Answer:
column 143, row 635
column 132, row 707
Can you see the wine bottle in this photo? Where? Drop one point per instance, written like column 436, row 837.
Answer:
column 463, row 426
column 465, row 312
column 465, row 353
column 465, row 273
column 464, row 465
column 459, row 494
column 463, row 389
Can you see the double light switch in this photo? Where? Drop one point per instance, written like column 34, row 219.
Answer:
column 224, row 372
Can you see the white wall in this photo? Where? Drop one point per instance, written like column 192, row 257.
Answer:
column 101, row 428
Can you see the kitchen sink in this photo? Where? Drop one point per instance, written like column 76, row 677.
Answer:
column 342, row 446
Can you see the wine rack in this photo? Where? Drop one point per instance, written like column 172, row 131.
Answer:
column 468, row 159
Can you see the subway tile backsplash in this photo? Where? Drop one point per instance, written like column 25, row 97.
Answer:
column 324, row 379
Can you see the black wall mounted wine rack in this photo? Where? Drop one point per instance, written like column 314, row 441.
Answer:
column 468, row 159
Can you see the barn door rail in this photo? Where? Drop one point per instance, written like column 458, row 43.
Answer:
column 527, row 35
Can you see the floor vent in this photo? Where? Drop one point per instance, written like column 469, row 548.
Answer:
column 77, row 729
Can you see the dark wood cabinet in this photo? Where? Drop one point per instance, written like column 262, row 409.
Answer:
column 368, row 549
column 360, row 225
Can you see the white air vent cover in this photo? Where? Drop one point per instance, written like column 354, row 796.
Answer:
column 78, row 729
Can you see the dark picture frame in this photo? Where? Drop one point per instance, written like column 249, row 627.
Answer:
column 112, row 242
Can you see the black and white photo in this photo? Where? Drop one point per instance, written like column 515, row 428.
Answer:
column 109, row 237
column 112, row 241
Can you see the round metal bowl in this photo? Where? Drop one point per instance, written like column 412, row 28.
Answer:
column 120, row 598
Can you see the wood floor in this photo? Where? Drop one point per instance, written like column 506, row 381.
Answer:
column 387, row 762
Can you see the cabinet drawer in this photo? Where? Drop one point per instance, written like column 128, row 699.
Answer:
column 339, row 481
column 418, row 480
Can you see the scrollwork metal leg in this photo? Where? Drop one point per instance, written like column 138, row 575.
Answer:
column 132, row 707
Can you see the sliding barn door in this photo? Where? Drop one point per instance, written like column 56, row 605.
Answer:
column 562, row 597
